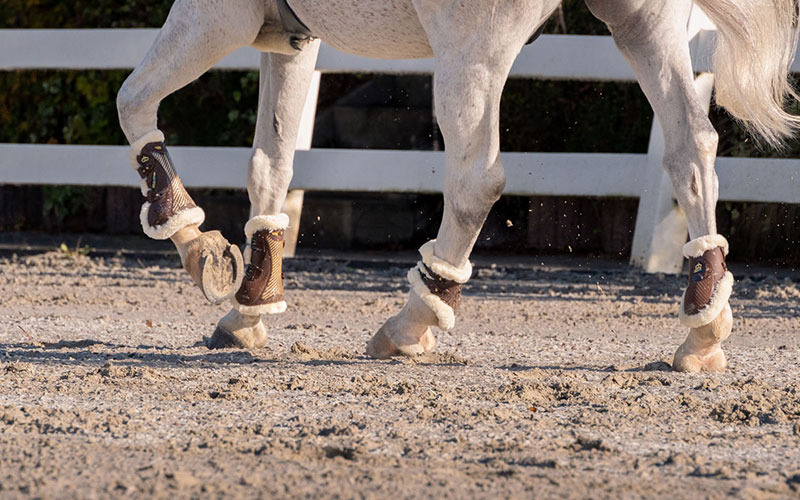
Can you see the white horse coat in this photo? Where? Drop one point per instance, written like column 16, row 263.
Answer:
column 474, row 44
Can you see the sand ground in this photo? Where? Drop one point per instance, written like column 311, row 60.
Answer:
column 554, row 383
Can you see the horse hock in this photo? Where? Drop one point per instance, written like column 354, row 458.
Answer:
column 261, row 290
column 169, row 212
column 704, row 307
column 435, row 287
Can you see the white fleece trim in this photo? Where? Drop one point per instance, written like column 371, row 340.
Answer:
column 274, row 308
column 256, row 224
column 443, row 312
column 719, row 298
column 271, row 222
column 143, row 187
column 698, row 246
column 442, row 267
column 175, row 223
column 136, row 147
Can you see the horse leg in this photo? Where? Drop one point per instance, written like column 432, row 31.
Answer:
column 195, row 36
column 285, row 80
column 653, row 38
column 474, row 48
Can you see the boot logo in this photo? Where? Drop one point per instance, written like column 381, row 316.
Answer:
column 698, row 272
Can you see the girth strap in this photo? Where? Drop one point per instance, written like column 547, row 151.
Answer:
column 291, row 23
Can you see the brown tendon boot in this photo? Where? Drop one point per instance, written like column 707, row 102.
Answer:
column 262, row 288
column 710, row 282
column 168, row 208
column 438, row 284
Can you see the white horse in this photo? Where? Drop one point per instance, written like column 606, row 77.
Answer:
column 474, row 43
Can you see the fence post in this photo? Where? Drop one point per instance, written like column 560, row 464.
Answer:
column 293, row 206
column 661, row 228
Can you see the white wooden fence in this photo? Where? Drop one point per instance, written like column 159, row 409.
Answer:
column 660, row 227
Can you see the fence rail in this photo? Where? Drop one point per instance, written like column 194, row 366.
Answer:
column 542, row 174
column 566, row 57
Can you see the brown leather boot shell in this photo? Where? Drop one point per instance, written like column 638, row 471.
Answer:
column 447, row 290
column 166, row 193
column 704, row 274
column 263, row 282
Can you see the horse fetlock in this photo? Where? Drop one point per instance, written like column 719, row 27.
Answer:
column 438, row 284
column 168, row 208
column 237, row 330
column 401, row 335
column 261, row 291
column 715, row 332
column 702, row 350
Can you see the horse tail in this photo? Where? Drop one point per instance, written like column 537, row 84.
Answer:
column 755, row 47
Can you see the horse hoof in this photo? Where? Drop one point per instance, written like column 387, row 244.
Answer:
column 702, row 351
column 215, row 265
column 381, row 346
column 222, row 274
column 237, row 330
column 221, row 340
column 691, row 363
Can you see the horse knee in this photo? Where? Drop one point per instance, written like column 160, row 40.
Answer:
column 134, row 118
column 126, row 102
column 690, row 166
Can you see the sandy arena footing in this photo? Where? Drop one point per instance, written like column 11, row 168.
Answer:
column 554, row 383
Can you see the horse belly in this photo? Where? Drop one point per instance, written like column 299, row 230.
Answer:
column 387, row 29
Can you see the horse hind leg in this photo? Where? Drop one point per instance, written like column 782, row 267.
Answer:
column 472, row 64
column 655, row 43
column 195, row 36
column 285, row 81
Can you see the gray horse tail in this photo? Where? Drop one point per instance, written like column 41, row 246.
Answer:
column 755, row 47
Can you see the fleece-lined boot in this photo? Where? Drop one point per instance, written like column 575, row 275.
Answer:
column 436, row 292
column 262, row 288
column 704, row 307
column 168, row 207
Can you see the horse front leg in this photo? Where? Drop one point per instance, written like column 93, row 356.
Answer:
column 654, row 40
column 285, row 80
column 474, row 49
column 195, row 36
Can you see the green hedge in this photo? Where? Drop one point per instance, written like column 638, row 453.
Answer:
column 78, row 107
column 53, row 14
